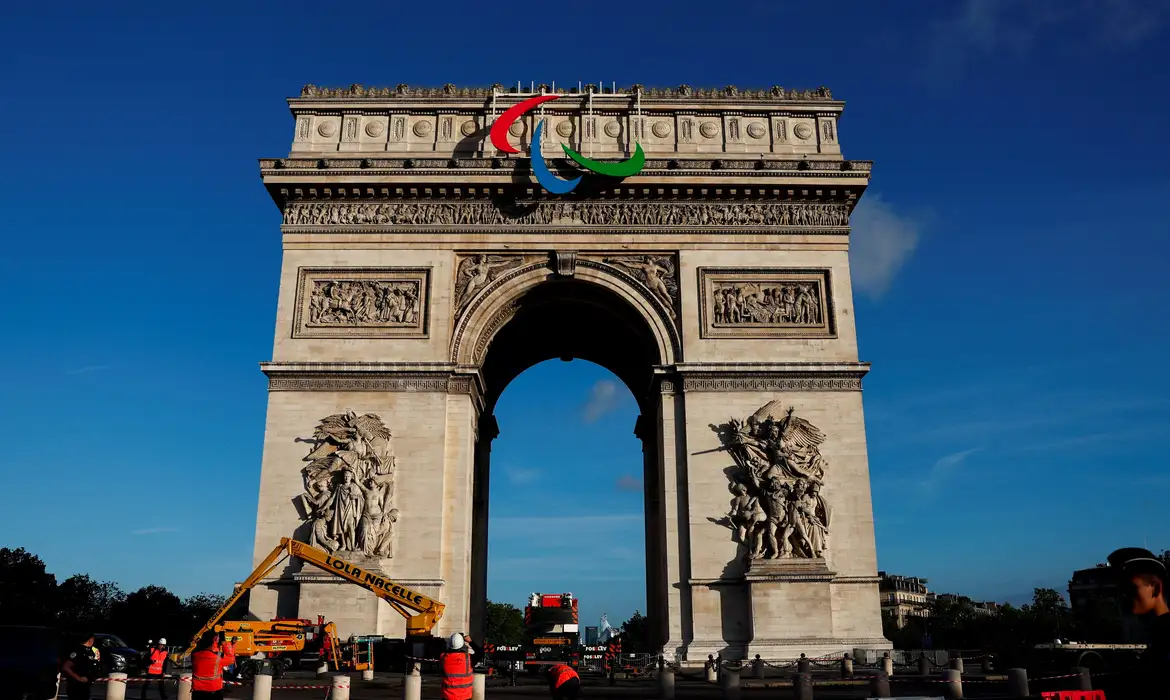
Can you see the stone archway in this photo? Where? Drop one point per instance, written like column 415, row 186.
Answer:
column 587, row 309
column 423, row 270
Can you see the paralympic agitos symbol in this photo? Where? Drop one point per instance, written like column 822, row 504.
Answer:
column 550, row 182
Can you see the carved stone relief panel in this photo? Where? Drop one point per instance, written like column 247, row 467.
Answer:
column 374, row 129
column 348, row 500
column 716, row 215
column 475, row 272
column 350, row 128
column 765, row 303
column 656, row 273
column 777, row 511
column 390, row 302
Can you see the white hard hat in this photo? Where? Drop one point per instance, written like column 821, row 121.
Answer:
column 456, row 642
column 162, row 640
column 149, row 642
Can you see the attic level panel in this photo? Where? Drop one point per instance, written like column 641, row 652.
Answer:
column 664, row 122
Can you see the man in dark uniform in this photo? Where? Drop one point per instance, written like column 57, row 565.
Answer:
column 1142, row 582
column 80, row 669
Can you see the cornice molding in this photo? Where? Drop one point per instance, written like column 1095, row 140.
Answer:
column 684, row 93
column 689, row 167
column 764, row 377
column 435, row 377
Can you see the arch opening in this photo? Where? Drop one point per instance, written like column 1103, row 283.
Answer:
column 571, row 319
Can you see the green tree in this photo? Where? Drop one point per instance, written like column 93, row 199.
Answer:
column 197, row 610
column 149, row 613
column 86, row 604
column 635, row 633
column 1048, row 617
column 504, row 624
column 28, row 593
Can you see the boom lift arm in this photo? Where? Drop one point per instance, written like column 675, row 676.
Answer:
column 426, row 612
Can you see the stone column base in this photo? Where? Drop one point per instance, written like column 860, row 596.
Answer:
column 788, row 649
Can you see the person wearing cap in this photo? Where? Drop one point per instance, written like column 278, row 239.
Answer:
column 1142, row 580
column 81, row 668
column 157, row 658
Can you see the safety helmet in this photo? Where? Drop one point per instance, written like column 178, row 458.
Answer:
column 456, row 642
column 162, row 641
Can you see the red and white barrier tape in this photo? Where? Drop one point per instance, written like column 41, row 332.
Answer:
column 300, row 687
column 904, row 679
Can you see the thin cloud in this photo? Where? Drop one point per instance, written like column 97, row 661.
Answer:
column 1055, row 412
column 881, row 243
column 944, row 467
column 604, row 397
column 154, row 531
column 86, row 369
column 626, row 482
column 982, row 29
column 1091, row 439
column 521, row 475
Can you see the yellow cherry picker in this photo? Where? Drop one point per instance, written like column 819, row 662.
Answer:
column 288, row 637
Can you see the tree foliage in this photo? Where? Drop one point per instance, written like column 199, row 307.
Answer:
column 635, row 634
column 29, row 595
column 954, row 623
column 504, row 624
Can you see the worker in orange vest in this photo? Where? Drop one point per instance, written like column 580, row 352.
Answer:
column 455, row 665
column 563, row 682
column 157, row 660
column 211, row 655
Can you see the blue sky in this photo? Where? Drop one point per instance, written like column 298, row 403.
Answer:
column 1009, row 267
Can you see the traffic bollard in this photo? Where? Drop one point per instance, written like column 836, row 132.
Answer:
column 478, row 686
column 412, row 685
column 1017, row 683
column 923, row 665
column 957, row 664
column 340, row 690
column 730, row 682
column 802, row 664
column 887, row 667
column 116, row 687
column 368, row 674
column 802, row 686
column 846, row 666
column 987, row 663
column 666, row 684
column 709, row 668
column 1084, row 678
column 719, row 667
column 879, row 686
column 185, row 685
column 512, row 682
column 262, row 684
column 954, row 681
column 757, row 667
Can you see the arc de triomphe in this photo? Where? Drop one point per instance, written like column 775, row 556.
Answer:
column 424, row 269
